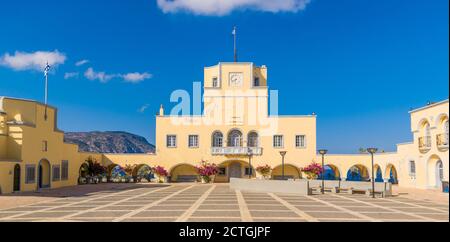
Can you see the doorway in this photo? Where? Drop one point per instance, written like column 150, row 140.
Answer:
column 16, row 186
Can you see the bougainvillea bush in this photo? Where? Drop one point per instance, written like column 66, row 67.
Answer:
column 313, row 170
column 207, row 170
column 160, row 172
column 264, row 170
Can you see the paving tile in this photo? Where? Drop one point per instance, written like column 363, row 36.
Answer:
column 265, row 207
column 221, row 207
column 390, row 215
column 70, row 208
column 138, row 220
column 4, row 215
column 25, row 209
column 330, row 215
column 164, row 207
column 45, row 215
column 276, row 214
column 216, row 214
column 323, row 208
column 436, row 216
column 214, row 220
column 366, row 209
column 158, row 214
column 278, row 220
column 419, row 210
column 101, row 214
column 118, row 208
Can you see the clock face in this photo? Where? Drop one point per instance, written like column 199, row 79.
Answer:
column 236, row 79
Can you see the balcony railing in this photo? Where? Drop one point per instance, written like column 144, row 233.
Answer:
column 425, row 143
column 236, row 150
column 442, row 141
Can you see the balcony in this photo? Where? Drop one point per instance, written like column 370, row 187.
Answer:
column 424, row 143
column 442, row 141
column 236, row 150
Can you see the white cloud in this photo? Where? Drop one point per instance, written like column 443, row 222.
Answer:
column 101, row 76
column 81, row 62
column 143, row 108
column 224, row 7
column 21, row 61
column 136, row 77
column 69, row 75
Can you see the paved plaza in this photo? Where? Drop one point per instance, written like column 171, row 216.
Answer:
column 216, row 202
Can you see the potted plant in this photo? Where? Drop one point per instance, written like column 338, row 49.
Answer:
column 265, row 171
column 312, row 171
column 160, row 173
column 207, row 172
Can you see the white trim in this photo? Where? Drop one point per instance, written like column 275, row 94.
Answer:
column 429, row 106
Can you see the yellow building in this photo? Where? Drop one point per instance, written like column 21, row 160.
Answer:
column 32, row 152
column 235, row 128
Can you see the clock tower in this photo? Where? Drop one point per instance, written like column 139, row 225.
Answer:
column 235, row 92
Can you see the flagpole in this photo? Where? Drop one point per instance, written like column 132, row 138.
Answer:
column 47, row 68
column 235, row 47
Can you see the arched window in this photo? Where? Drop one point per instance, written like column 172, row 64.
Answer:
column 427, row 135
column 217, row 139
column 235, row 138
column 412, row 169
column 252, row 139
column 446, row 132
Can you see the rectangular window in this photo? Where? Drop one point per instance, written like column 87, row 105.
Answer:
column 278, row 141
column 300, row 141
column 171, row 141
column 44, row 146
column 215, row 82
column 64, row 170
column 193, row 141
column 56, row 172
column 256, row 82
column 30, row 174
column 412, row 169
column 248, row 171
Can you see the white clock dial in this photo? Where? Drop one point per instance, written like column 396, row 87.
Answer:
column 236, row 79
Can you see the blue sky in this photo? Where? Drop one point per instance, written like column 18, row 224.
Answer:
column 359, row 64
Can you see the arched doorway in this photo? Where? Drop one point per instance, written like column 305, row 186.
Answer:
column 44, row 174
column 439, row 173
column 330, row 173
column 143, row 171
column 358, row 173
column 184, row 173
column 290, row 172
column 391, row 172
column 378, row 174
column 235, row 138
column 235, row 170
column 16, row 186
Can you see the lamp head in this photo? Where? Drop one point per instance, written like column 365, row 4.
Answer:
column 323, row 152
column 283, row 153
column 372, row 150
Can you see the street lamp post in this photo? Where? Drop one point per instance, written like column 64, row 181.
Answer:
column 250, row 154
column 372, row 151
column 323, row 153
column 283, row 154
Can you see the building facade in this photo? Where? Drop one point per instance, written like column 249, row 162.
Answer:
column 238, row 130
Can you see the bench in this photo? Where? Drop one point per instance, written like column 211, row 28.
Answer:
column 187, row 178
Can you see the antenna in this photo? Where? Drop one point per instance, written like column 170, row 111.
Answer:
column 235, row 44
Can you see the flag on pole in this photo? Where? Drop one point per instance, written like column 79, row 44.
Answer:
column 47, row 69
column 234, row 31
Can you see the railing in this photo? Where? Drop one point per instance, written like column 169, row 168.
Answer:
column 236, row 150
column 424, row 143
column 442, row 140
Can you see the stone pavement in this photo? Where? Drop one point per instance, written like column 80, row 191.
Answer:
column 217, row 202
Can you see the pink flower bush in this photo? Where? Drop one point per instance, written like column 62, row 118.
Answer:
column 264, row 170
column 160, row 171
column 313, row 170
column 206, row 170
